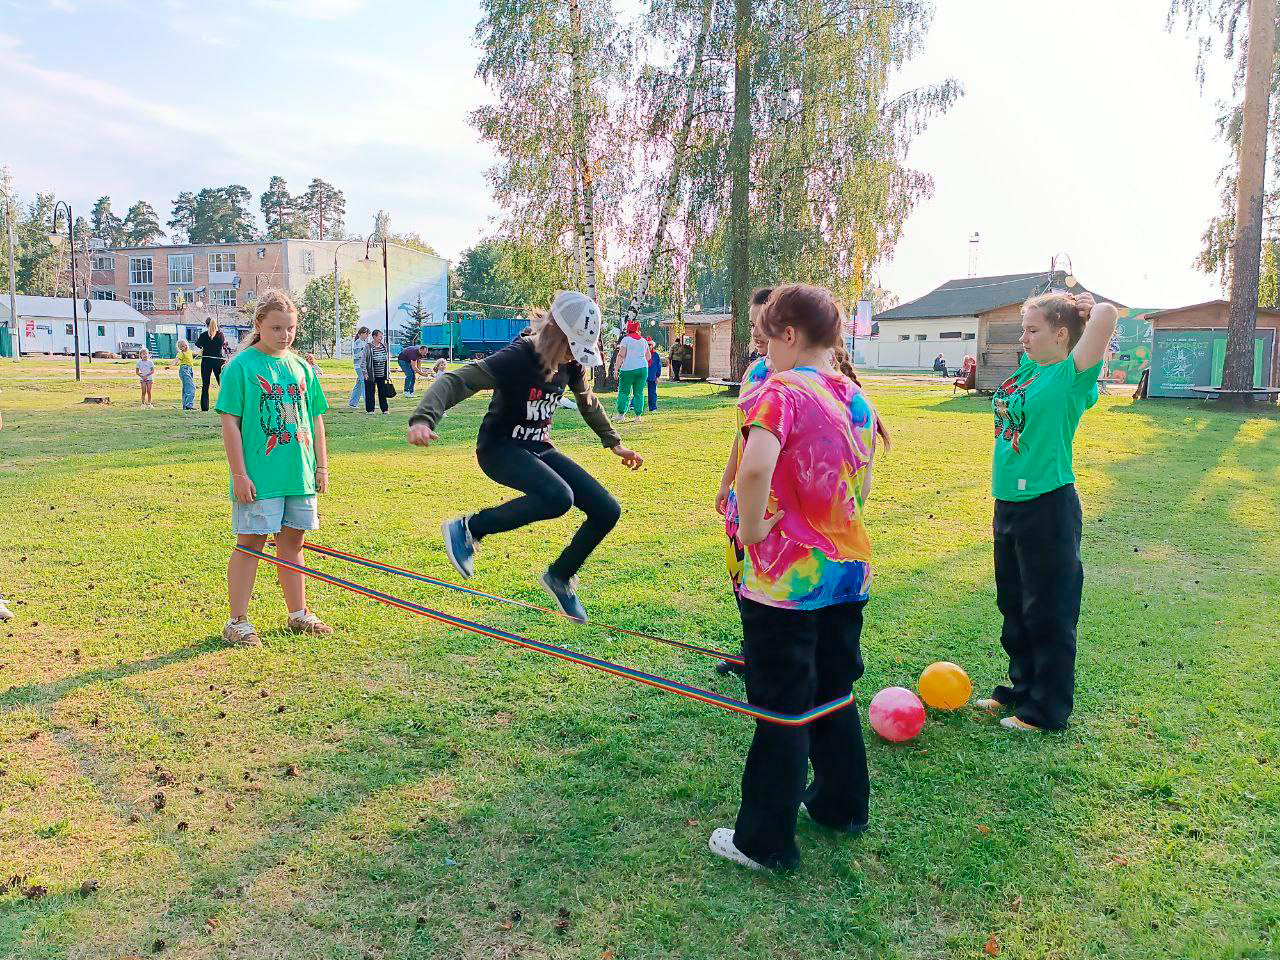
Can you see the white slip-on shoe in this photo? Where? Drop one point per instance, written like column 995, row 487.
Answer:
column 721, row 844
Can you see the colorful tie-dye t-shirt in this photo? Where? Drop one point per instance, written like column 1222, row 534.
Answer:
column 756, row 374
column 819, row 554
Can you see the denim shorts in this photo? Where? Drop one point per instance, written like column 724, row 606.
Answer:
column 268, row 516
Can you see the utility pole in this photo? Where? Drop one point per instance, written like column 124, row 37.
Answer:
column 13, row 282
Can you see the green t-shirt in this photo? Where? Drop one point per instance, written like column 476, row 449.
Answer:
column 277, row 400
column 1037, row 411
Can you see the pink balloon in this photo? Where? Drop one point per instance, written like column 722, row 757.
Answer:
column 896, row 714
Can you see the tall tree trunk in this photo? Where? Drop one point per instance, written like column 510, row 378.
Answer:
column 586, row 222
column 740, row 189
column 681, row 150
column 1237, row 373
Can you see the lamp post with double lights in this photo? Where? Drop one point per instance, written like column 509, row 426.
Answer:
column 71, row 236
column 386, row 286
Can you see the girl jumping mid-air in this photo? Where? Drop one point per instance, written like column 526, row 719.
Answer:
column 528, row 379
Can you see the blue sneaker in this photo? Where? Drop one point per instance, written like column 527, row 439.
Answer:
column 565, row 594
column 459, row 545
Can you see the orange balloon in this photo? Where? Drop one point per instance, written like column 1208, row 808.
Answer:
column 945, row 686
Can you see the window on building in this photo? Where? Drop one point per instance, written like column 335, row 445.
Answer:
column 308, row 262
column 142, row 300
column 71, row 329
column 922, row 336
column 101, row 294
column 222, row 263
column 180, row 298
column 970, row 336
column 904, row 336
column 949, row 335
column 102, row 330
column 102, row 261
column 128, row 331
column 262, row 253
column 223, row 298
column 181, row 268
column 140, row 270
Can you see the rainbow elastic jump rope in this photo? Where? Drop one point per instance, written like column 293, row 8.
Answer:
column 562, row 653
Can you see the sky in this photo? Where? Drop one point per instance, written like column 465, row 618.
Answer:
column 1082, row 131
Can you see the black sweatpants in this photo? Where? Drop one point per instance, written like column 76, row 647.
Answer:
column 209, row 367
column 797, row 659
column 380, row 385
column 552, row 484
column 1039, row 577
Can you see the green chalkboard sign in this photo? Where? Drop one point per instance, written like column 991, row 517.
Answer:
column 1182, row 359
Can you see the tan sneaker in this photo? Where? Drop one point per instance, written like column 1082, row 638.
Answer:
column 308, row 623
column 990, row 704
column 1016, row 723
column 240, row 633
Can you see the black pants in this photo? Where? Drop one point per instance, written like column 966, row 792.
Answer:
column 797, row 659
column 551, row 484
column 675, row 369
column 1038, row 582
column 209, row 366
column 381, row 385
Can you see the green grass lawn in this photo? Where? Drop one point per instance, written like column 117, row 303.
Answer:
column 454, row 797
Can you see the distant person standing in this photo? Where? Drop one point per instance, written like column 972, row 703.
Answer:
column 358, row 347
column 186, row 373
column 632, row 367
column 677, row 359
column 375, row 373
column 213, row 348
column 410, row 361
column 655, row 371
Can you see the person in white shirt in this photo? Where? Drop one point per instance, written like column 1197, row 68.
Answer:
column 145, row 368
column 633, row 370
column 358, row 348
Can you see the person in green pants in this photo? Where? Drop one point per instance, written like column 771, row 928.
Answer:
column 633, row 370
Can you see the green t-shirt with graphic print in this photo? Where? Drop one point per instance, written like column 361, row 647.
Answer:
column 1037, row 411
column 277, row 400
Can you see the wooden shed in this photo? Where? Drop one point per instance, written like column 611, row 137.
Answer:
column 1188, row 346
column 710, row 335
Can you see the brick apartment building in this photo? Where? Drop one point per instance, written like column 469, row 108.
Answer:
column 183, row 284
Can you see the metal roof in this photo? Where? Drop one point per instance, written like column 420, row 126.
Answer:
column 60, row 308
column 971, row 296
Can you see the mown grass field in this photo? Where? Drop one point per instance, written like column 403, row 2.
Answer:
column 454, row 797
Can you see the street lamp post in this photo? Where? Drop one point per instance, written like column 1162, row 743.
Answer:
column 386, row 287
column 337, row 307
column 71, row 235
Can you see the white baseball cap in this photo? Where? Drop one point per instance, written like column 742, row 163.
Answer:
column 578, row 318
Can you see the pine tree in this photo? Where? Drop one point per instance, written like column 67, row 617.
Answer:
column 105, row 225
column 280, row 212
column 324, row 208
column 142, row 226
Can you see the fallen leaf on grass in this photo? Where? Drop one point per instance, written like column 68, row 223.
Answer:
column 608, row 954
column 1017, row 903
column 992, row 947
column 292, row 770
column 984, row 829
column 35, row 891
column 1120, row 861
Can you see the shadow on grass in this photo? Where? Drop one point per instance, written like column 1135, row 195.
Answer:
column 38, row 695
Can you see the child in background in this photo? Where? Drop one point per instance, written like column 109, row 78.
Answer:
column 809, row 442
column 437, row 368
column 145, row 368
column 272, row 411
column 187, row 374
column 655, row 371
